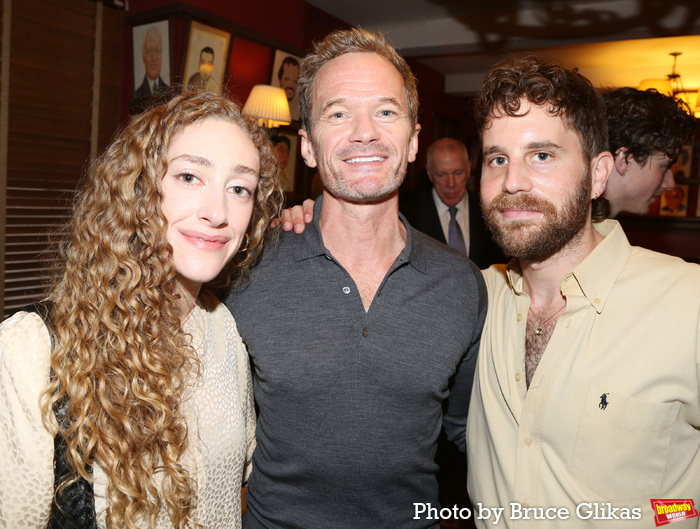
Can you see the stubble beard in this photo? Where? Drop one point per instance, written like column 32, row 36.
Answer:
column 340, row 186
column 538, row 240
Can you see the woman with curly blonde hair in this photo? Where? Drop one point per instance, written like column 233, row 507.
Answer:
column 139, row 377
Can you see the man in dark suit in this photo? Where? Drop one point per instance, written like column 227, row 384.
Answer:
column 448, row 213
column 152, row 84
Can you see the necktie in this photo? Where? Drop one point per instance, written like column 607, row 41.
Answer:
column 454, row 232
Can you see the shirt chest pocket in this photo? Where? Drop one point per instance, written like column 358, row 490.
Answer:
column 622, row 445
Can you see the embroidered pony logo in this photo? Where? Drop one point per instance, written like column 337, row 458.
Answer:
column 603, row 401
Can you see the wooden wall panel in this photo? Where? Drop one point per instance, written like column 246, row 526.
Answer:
column 50, row 111
column 113, row 64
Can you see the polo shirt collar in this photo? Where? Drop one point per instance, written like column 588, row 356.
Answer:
column 311, row 244
column 596, row 275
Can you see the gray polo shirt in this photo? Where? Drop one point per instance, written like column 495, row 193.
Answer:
column 351, row 402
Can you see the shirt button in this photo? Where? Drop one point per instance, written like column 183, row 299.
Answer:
column 596, row 301
column 520, row 317
column 518, row 377
column 528, row 441
column 365, row 332
column 346, row 290
column 328, row 257
column 524, row 505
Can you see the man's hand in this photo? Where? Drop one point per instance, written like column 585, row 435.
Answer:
column 297, row 217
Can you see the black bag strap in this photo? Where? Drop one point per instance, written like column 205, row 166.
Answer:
column 74, row 506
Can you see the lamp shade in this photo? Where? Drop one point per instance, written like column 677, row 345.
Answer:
column 663, row 86
column 269, row 104
column 689, row 98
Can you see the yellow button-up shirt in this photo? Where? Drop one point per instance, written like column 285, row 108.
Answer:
column 612, row 416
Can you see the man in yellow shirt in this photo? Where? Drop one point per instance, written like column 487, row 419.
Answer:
column 585, row 407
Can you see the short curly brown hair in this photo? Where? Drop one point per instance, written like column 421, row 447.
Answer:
column 645, row 121
column 563, row 91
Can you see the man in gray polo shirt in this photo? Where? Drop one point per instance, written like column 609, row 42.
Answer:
column 351, row 387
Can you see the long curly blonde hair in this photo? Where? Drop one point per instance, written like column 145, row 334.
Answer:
column 121, row 358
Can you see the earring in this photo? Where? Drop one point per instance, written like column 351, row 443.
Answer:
column 247, row 241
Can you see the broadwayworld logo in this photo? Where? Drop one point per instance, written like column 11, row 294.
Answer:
column 668, row 511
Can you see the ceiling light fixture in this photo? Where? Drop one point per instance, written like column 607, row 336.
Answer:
column 672, row 86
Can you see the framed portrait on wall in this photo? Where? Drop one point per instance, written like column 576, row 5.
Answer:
column 206, row 59
column 151, row 45
column 287, row 152
column 682, row 168
column 285, row 74
column 674, row 202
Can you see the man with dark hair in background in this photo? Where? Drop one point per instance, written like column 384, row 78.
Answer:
column 647, row 131
column 586, row 396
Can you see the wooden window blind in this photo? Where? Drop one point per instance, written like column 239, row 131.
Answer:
column 50, row 97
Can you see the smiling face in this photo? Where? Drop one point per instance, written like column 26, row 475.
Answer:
column 289, row 79
column 536, row 188
column 362, row 135
column 208, row 201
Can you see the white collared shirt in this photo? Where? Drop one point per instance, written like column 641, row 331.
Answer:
column 462, row 217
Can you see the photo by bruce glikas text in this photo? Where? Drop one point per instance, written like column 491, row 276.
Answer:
column 516, row 511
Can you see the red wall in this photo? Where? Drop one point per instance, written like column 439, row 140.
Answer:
column 250, row 65
column 434, row 100
column 281, row 19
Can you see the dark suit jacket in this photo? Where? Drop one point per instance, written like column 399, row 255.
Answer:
column 145, row 91
column 421, row 213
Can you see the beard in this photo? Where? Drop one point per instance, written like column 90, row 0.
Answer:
column 533, row 240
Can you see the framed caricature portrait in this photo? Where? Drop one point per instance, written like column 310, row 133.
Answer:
column 286, row 149
column 674, row 202
column 151, row 43
column 206, row 59
column 285, row 74
column 682, row 168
